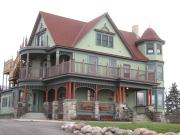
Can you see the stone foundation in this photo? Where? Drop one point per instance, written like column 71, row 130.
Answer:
column 69, row 109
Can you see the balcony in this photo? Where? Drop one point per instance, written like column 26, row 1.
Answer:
column 86, row 69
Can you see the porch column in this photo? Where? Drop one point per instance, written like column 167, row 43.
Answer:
column 56, row 95
column 25, row 95
column 46, row 91
column 97, row 91
column 150, row 97
column 27, row 65
column 68, row 90
column 120, row 95
column 123, row 95
column 73, row 90
column 57, row 57
column 48, row 61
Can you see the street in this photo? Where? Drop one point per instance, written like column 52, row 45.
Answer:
column 12, row 127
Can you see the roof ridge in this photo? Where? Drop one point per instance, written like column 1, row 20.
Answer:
column 42, row 12
column 84, row 26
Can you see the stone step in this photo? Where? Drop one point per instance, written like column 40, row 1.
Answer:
column 140, row 118
column 38, row 116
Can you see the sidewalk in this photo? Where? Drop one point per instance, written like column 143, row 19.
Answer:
column 36, row 120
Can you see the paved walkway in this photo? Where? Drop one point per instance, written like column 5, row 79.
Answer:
column 24, row 127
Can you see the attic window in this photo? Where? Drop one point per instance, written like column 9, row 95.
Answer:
column 105, row 40
column 159, row 49
column 150, row 48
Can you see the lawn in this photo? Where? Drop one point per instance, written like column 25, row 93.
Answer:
column 158, row 127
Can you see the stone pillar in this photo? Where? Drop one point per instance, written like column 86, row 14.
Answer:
column 27, row 65
column 57, row 57
column 96, row 110
column 69, row 109
column 46, row 108
column 55, row 110
column 120, row 112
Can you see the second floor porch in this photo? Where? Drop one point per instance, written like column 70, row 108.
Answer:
column 86, row 69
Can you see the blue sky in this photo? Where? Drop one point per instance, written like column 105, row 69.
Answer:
column 18, row 18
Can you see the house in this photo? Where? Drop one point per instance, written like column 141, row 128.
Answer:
column 71, row 69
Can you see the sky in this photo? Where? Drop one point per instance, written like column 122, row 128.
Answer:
column 17, row 18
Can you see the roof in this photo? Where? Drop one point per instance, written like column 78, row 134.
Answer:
column 63, row 30
column 150, row 35
column 131, row 39
column 68, row 32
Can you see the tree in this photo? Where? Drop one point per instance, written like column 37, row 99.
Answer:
column 173, row 99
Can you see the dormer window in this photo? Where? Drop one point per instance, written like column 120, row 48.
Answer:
column 150, row 48
column 104, row 39
column 159, row 49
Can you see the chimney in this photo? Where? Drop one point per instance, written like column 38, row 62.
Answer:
column 135, row 30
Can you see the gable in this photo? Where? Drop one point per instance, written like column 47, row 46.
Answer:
column 88, row 42
column 47, row 38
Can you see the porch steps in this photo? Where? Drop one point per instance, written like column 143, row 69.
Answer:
column 140, row 118
column 38, row 116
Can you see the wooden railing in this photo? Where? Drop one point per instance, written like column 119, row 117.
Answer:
column 85, row 106
column 87, row 69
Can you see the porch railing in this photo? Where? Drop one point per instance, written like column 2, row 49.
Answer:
column 88, row 69
column 85, row 106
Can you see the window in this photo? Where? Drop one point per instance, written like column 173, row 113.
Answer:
column 150, row 72
column 126, row 70
column 150, row 48
column 113, row 63
column 4, row 102
column 160, row 72
column 160, row 99
column 40, row 39
column 141, row 98
column 105, row 40
column 159, row 49
column 98, row 39
column 92, row 66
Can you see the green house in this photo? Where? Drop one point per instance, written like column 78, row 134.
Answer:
column 71, row 69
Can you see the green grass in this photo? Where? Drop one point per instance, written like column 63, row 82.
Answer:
column 158, row 127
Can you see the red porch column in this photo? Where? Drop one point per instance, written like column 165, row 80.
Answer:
column 56, row 95
column 73, row 90
column 97, row 90
column 120, row 95
column 150, row 94
column 68, row 90
column 123, row 95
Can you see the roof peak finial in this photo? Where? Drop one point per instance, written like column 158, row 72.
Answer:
column 149, row 24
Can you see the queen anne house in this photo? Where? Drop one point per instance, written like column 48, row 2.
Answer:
column 71, row 69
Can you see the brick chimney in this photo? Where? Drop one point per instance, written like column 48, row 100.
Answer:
column 135, row 30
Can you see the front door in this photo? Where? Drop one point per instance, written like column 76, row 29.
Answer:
column 37, row 101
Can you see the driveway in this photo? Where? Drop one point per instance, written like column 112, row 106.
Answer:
column 13, row 127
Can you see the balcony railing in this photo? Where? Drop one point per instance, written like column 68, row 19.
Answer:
column 93, row 70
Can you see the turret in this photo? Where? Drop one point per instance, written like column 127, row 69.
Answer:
column 150, row 44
